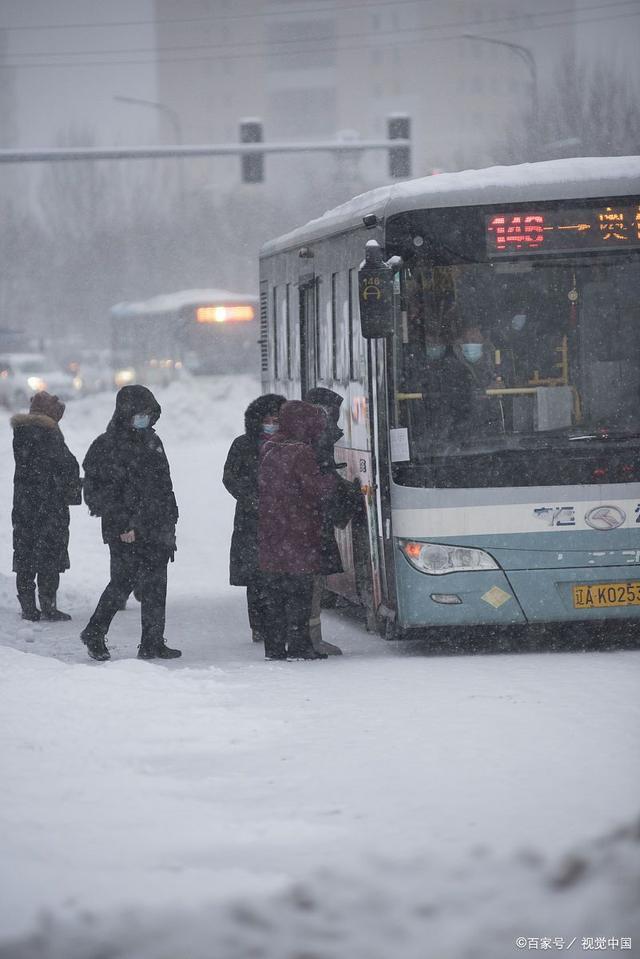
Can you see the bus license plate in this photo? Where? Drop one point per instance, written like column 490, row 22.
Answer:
column 599, row 595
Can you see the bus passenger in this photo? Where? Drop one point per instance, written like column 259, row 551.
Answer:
column 338, row 510
column 46, row 482
column 447, row 389
column 240, row 478
column 474, row 351
column 477, row 356
column 128, row 484
column 292, row 493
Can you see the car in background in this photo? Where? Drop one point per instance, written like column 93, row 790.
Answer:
column 93, row 369
column 23, row 374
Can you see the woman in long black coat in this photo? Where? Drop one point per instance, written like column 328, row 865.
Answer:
column 240, row 478
column 46, row 482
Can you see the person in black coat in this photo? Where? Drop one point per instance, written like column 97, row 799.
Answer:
column 338, row 510
column 46, row 482
column 240, row 478
column 128, row 484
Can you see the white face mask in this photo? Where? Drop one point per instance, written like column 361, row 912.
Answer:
column 140, row 421
column 518, row 321
column 472, row 352
column 270, row 428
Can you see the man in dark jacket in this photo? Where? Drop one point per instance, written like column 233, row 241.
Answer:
column 292, row 491
column 338, row 510
column 240, row 478
column 46, row 482
column 128, row 484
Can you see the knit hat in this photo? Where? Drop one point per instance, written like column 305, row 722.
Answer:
column 47, row 405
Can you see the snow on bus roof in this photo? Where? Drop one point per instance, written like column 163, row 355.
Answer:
column 171, row 302
column 547, row 180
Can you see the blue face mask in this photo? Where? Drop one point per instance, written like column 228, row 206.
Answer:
column 140, row 421
column 472, row 352
column 518, row 321
column 270, row 428
column 435, row 352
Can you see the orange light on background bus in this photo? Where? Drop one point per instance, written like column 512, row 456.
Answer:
column 224, row 314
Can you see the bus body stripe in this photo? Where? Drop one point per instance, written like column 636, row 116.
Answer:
column 513, row 518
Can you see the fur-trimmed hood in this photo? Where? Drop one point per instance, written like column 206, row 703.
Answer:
column 32, row 420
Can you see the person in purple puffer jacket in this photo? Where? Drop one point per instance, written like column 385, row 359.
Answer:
column 292, row 493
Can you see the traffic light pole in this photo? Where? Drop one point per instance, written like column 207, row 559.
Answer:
column 217, row 149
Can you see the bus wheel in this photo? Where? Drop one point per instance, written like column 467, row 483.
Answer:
column 393, row 632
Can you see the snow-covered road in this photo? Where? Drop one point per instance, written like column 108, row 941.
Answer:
column 387, row 803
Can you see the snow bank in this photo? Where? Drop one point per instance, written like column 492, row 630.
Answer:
column 483, row 909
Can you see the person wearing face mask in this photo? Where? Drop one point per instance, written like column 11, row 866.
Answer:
column 477, row 355
column 447, row 389
column 513, row 339
column 128, row 484
column 240, row 478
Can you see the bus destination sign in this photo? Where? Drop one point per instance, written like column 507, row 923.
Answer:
column 567, row 230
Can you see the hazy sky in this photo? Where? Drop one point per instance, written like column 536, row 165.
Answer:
column 59, row 74
column 62, row 83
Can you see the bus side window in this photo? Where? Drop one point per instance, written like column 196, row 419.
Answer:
column 351, row 284
column 294, row 329
column 325, row 332
column 274, row 327
column 287, row 326
column 334, row 326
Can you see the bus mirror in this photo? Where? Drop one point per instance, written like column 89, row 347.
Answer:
column 375, row 284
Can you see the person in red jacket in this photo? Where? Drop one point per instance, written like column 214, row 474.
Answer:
column 292, row 491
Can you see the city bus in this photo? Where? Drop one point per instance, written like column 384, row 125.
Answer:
column 201, row 331
column 483, row 329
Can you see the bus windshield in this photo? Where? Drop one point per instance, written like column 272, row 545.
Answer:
column 513, row 366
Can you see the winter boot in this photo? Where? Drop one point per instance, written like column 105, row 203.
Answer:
column 27, row 600
column 308, row 653
column 322, row 646
column 96, row 646
column 157, row 650
column 50, row 611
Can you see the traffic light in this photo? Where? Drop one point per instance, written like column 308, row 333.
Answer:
column 252, row 163
column 399, row 128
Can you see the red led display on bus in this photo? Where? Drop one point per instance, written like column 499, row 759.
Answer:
column 517, row 231
column 596, row 227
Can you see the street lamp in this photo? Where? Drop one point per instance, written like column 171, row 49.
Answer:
column 170, row 113
column 174, row 120
column 525, row 54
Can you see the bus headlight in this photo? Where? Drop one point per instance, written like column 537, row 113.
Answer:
column 437, row 558
column 36, row 383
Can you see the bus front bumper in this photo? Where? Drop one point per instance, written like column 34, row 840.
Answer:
column 496, row 597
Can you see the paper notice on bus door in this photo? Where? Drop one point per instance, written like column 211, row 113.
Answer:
column 399, row 445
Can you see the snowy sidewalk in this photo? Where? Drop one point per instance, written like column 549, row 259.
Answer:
column 381, row 805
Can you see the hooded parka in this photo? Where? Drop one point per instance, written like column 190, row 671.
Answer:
column 46, row 482
column 292, row 493
column 127, row 479
column 240, row 478
column 128, row 484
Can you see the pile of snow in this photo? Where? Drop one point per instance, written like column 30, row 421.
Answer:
column 483, row 909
